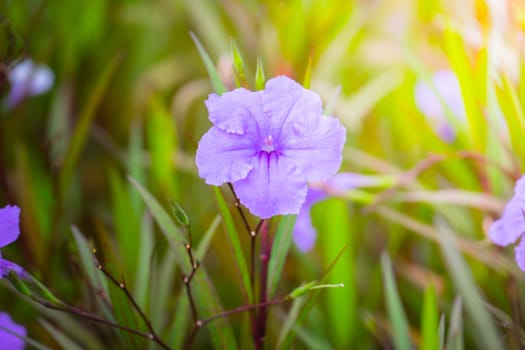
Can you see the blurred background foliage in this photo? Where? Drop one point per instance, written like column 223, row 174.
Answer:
column 128, row 99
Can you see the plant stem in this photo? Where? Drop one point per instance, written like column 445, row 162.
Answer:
column 96, row 319
column 152, row 335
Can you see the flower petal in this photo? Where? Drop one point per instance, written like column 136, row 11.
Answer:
column 275, row 186
column 235, row 111
column 9, row 224
column 511, row 225
column 8, row 340
column 223, row 157
column 304, row 233
column 316, row 148
column 519, row 188
column 7, row 266
column 285, row 102
column 520, row 254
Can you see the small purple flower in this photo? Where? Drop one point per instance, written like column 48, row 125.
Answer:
column 28, row 79
column 9, row 232
column 511, row 226
column 434, row 100
column 8, row 340
column 269, row 144
column 304, row 233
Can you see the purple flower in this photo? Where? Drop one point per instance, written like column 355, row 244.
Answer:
column 9, row 232
column 269, row 144
column 28, row 79
column 304, row 233
column 8, row 340
column 434, row 99
column 511, row 226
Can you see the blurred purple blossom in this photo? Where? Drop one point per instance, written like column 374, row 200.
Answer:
column 269, row 144
column 28, row 79
column 304, row 233
column 434, row 99
column 511, row 226
column 8, row 340
column 9, row 232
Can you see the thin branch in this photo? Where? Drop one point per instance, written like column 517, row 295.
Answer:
column 241, row 212
column 129, row 296
column 96, row 319
column 245, row 308
column 186, row 279
column 200, row 323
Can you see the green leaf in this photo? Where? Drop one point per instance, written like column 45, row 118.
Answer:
column 123, row 309
column 238, row 64
column 280, row 248
column 460, row 62
column 455, row 329
column 308, row 71
column 63, row 340
column 233, row 238
column 514, row 115
column 161, row 142
column 161, row 289
column 332, row 218
column 85, row 119
column 305, row 304
column 179, row 213
column 290, row 320
column 215, row 78
column 441, row 332
column 144, row 261
column 96, row 280
column 205, row 294
column 19, row 284
column 429, row 320
column 479, row 317
column 126, row 223
column 310, row 286
column 205, row 241
column 260, row 78
column 395, row 309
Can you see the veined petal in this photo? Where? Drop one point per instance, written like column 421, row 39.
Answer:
column 8, row 340
column 511, row 225
column 236, row 111
column 275, row 186
column 285, row 103
column 316, row 148
column 223, row 157
column 9, row 224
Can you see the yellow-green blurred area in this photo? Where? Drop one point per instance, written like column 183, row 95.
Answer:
column 127, row 101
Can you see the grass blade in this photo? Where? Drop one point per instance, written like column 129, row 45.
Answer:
column 233, row 238
column 478, row 314
column 395, row 309
column 429, row 320
column 281, row 246
column 84, row 121
column 455, row 330
column 260, row 78
column 215, row 78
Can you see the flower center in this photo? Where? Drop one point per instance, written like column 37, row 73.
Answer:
column 267, row 145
